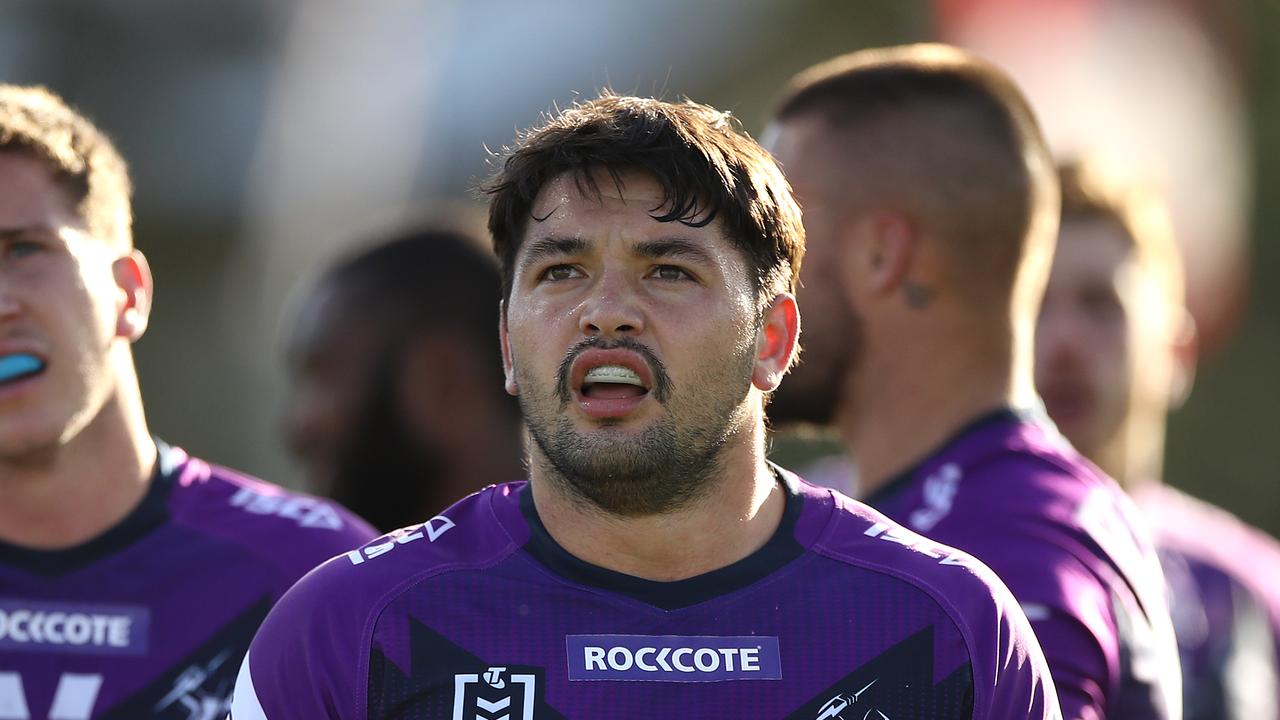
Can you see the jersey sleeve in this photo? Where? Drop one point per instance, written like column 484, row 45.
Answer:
column 1010, row 675
column 1108, row 657
column 1011, row 679
column 1073, row 618
column 306, row 661
column 1077, row 664
column 1246, row 673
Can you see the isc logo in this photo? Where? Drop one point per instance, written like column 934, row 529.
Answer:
column 909, row 539
column 431, row 529
column 306, row 511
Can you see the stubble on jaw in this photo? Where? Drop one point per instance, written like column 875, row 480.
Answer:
column 669, row 466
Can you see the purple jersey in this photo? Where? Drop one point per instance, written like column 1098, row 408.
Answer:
column 151, row 618
column 1070, row 545
column 480, row 614
column 1224, row 592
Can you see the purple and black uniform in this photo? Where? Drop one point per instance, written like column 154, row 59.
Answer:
column 1070, row 545
column 151, row 618
column 1224, row 592
column 478, row 613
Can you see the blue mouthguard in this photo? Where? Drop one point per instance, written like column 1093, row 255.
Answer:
column 19, row 364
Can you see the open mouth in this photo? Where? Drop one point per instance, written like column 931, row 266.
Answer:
column 19, row 366
column 612, row 382
column 1067, row 403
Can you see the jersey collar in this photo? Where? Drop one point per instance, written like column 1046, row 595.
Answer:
column 781, row 548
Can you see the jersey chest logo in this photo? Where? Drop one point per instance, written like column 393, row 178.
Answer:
column 499, row 693
column 73, row 628
column 673, row 658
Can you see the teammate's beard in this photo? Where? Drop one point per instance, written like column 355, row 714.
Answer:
column 664, row 467
column 383, row 475
column 815, row 389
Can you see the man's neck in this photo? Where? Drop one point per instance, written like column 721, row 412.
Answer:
column 908, row 401
column 737, row 517
column 72, row 492
column 1135, row 455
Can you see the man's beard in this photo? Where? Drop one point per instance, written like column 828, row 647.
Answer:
column 665, row 467
column 815, row 391
column 383, row 475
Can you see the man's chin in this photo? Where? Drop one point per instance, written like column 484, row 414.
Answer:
column 630, row 489
column 608, row 432
column 1075, row 419
column 1081, row 431
column 23, row 443
column 606, row 458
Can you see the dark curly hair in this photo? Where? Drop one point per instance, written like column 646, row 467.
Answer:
column 706, row 165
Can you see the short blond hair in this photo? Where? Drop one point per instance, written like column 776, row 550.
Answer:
column 81, row 158
column 1092, row 189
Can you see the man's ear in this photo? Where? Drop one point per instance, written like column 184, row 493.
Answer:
column 1186, row 352
column 776, row 344
column 880, row 248
column 133, row 277
column 508, row 366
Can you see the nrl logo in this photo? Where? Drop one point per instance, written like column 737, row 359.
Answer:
column 499, row 693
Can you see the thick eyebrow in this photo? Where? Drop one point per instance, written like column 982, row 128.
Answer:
column 674, row 248
column 15, row 233
column 540, row 249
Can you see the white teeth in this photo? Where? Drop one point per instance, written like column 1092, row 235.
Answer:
column 613, row 374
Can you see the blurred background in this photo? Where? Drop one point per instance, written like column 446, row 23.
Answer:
column 266, row 137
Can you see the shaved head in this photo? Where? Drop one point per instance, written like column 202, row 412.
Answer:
column 946, row 140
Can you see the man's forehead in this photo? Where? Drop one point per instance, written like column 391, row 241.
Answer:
column 29, row 185
column 628, row 205
column 599, row 188
column 1094, row 241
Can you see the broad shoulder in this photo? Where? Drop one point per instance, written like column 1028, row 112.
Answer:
column 1030, row 505
column 466, row 536
column 1037, row 487
column 860, row 536
column 290, row 530
column 1211, row 536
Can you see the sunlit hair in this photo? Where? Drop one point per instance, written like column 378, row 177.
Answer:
column 707, row 167
column 948, row 139
column 82, row 160
column 1092, row 189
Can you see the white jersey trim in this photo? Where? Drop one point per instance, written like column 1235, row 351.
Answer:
column 244, row 699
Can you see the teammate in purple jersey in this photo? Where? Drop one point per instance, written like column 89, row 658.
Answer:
column 930, row 203
column 131, row 577
column 1115, row 353
column 655, row 565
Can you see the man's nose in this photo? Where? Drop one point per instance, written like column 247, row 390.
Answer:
column 613, row 310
